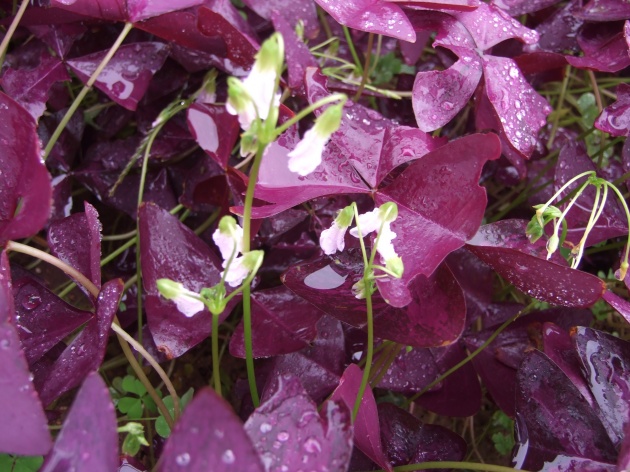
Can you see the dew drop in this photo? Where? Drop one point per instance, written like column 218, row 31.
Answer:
column 265, row 427
column 283, row 436
column 228, row 457
column 183, row 459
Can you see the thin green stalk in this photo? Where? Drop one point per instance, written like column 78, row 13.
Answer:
column 353, row 51
column 563, row 91
column 370, row 349
column 366, row 67
column 86, row 88
column 336, row 97
column 472, row 355
column 9, row 34
column 216, row 373
column 247, row 301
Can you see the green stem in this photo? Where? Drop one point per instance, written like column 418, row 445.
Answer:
column 86, row 88
column 370, row 347
column 366, row 67
column 247, row 300
column 353, row 51
column 563, row 91
column 9, row 34
column 216, row 373
column 471, row 356
column 307, row 111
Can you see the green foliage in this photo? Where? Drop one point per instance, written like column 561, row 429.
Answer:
column 387, row 67
column 131, row 397
column 161, row 426
column 503, row 433
column 9, row 463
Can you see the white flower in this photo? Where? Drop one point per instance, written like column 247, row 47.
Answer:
column 228, row 237
column 332, row 239
column 379, row 221
column 237, row 272
column 187, row 301
column 385, row 247
column 368, row 222
column 307, row 155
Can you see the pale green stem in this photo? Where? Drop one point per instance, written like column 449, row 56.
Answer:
column 542, row 209
column 94, row 291
column 216, row 373
column 556, row 226
column 308, row 110
column 366, row 67
column 353, row 51
column 9, row 34
column 594, row 216
column 563, row 91
column 86, row 88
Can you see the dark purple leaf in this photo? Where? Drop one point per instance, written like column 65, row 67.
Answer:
column 554, row 418
column 292, row 12
column 574, row 160
column 214, row 129
column 372, row 16
column 605, row 362
column 605, row 50
column 434, row 317
column 618, row 303
column 127, row 75
column 123, row 10
column 623, row 461
column 171, row 250
column 320, row 366
column 240, row 49
column 76, row 240
column 59, row 37
column 41, row 317
column 88, row 441
column 204, row 183
column 367, row 436
column 297, row 55
column 86, row 351
column 282, row 323
column 30, row 86
column 558, row 31
column 408, row 441
column 520, row 7
column 287, row 429
column 440, row 202
column 505, row 247
column 615, row 119
column 209, row 437
column 24, row 426
column 25, row 189
column 604, row 10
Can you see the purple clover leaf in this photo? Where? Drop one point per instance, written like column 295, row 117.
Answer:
column 439, row 96
column 615, row 118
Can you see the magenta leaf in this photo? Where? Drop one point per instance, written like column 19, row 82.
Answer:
column 367, row 435
column 604, row 10
column 320, row 366
column 88, row 441
column 618, row 303
column 86, row 351
column 214, row 129
column 24, row 426
column 123, row 10
column 287, row 429
column 291, row 11
column 76, row 240
column 170, row 250
column 25, row 188
column 209, row 437
column 434, row 317
column 372, row 16
column 41, row 317
column 282, row 323
column 126, row 77
column 605, row 363
column 408, row 441
column 520, row 7
column 505, row 248
column 30, row 87
column 615, row 118
column 605, row 50
column 546, row 401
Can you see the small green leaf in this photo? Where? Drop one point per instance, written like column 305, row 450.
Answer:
column 162, row 427
column 131, row 384
column 503, row 443
column 130, row 406
column 11, row 463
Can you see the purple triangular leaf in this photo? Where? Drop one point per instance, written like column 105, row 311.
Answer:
column 127, row 75
column 123, row 10
column 604, row 50
column 505, row 247
column 214, row 129
column 605, row 363
column 604, row 10
column 367, row 436
column 171, row 250
column 287, row 429
column 88, row 441
column 209, row 437
column 42, row 318
column 24, row 426
column 76, row 240
column 25, row 188
column 372, row 16
column 615, row 118
column 86, row 351
column 292, row 12
column 439, row 202
column 282, row 323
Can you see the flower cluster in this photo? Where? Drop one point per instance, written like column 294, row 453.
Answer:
column 229, row 239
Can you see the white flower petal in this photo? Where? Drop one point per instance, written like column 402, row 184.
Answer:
column 307, row 155
column 261, row 86
column 188, row 305
column 368, row 222
column 227, row 242
column 236, row 273
column 385, row 247
column 332, row 239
